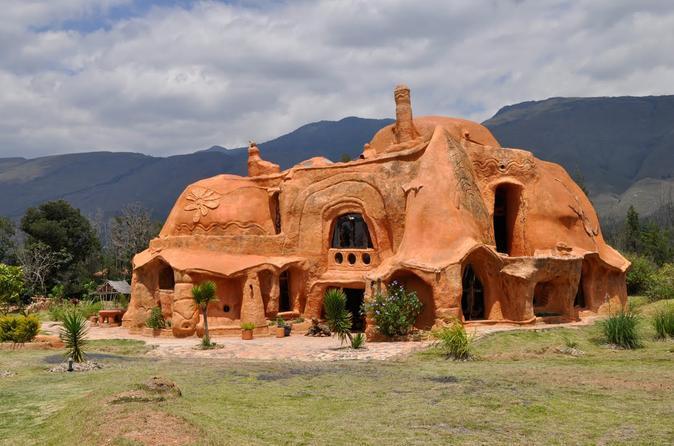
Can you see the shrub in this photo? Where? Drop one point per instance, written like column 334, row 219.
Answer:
column 336, row 314
column 662, row 283
column 640, row 274
column 394, row 311
column 19, row 328
column 621, row 329
column 280, row 322
column 248, row 326
column 358, row 341
column 73, row 334
column 663, row 322
column 156, row 320
column 453, row 341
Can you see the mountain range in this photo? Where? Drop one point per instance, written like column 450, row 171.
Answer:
column 621, row 148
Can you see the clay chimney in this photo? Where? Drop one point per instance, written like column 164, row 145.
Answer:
column 404, row 128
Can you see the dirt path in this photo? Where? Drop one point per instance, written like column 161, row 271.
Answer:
column 295, row 348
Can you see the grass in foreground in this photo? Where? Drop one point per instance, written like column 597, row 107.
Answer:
column 520, row 392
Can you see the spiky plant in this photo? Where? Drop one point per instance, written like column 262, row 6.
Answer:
column 203, row 294
column 663, row 322
column 338, row 317
column 454, row 341
column 73, row 334
column 621, row 329
column 358, row 341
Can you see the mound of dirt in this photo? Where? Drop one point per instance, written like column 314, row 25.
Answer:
column 155, row 389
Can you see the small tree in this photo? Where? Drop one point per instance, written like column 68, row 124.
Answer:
column 632, row 231
column 11, row 286
column 339, row 319
column 73, row 334
column 7, row 243
column 202, row 294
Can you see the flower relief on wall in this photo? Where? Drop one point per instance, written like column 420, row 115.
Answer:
column 201, row 200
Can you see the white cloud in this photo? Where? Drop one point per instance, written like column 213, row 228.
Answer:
column 175, row 78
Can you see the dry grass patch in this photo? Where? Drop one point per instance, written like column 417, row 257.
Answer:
column 140, row 424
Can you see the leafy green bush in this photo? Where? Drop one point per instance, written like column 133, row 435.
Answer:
column 394, row 311
column 19, row 328
column 662, row 283
column 454, row 341
column 156, row 320
column 621, row 329
column 336, row 314
column 663, row 322
column 73, row 334
column 358, row 341
column 640, row 274
column 11, row 286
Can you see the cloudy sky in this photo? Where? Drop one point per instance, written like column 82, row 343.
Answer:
column 166, row 77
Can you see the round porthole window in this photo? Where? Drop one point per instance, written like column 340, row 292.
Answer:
column 226, row 308
column 366, row 258
column 339, row 258
column 351, row 258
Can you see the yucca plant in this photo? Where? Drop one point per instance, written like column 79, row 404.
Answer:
column 358, row 341
column 663, row 322
column 73, row 334
column 454, row 341
column 336, row 314
column 621, row 329
column 203, row 294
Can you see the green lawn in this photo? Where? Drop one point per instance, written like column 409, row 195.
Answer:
column 520, row 391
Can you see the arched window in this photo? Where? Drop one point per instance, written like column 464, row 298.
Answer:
column 350, row 231
column 472, row 298
column 165, row 277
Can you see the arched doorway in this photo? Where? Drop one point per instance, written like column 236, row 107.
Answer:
column 284, row 292
column 350, row 231
column 472, row 297
column 506, row 207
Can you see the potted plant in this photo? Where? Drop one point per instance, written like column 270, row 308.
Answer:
column 280, row 327
column 156, row 321
column 247, row 330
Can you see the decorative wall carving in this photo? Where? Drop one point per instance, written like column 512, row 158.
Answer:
column 503, row 163
column 201, row 200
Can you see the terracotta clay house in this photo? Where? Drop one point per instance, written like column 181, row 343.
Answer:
column 482, row 233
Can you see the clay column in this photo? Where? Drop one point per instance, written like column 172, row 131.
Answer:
column 252, row 307
column 447, row 291
column 185, row 312
column 274, row 293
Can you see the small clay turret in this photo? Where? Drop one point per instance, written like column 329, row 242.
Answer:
column 258, row 166
column 404, row 127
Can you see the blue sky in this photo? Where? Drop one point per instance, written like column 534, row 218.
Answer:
column 166, row 77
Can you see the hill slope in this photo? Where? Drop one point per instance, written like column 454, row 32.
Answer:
column 107, row 181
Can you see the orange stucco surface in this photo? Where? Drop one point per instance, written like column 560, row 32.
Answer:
column 482, row 233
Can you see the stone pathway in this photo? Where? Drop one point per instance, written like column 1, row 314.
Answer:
column 293, row 348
